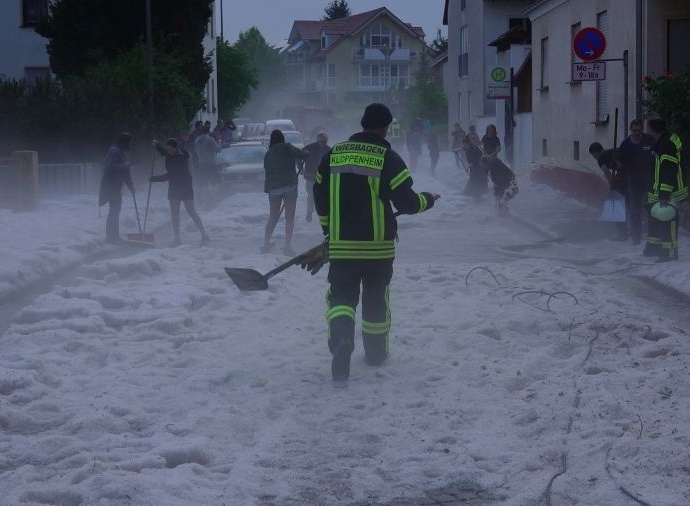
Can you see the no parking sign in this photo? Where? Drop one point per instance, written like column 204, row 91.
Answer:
column 589, row 44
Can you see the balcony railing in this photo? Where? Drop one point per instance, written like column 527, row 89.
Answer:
column 374, row 54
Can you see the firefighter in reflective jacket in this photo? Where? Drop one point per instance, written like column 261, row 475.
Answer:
column 668, row 188
column 354, row 188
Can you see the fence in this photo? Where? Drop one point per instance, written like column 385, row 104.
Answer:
column 68, row 178
column 23, row 181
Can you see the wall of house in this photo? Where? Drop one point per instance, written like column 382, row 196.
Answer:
column 347, row 87
column 513, row 58
column 28, row 49
column 657, row 13
column 565, row 113
column 486, row 20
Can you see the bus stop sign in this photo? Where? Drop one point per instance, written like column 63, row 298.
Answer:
column 589, row 44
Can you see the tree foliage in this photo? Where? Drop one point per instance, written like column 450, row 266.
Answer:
column 439, row 44
column 236, row 78
column 426, row 98
column 668, row 96
column 261, row 56
column 78, row 115
column 268, row 63
column 75, row 27
column 336, row 9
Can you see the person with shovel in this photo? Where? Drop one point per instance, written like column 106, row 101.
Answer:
column 357, row 184
column 180, row 187
column 609, row 163
column 116, row 172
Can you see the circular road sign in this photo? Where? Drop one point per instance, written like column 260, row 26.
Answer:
column 499, row 74
column 589, row 44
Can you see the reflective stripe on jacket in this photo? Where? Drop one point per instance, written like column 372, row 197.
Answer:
column 355, row 186
column 668, row 178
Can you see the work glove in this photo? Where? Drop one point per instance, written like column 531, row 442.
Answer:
column 315, row 258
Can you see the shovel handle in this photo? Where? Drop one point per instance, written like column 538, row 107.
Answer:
column 293, row 261
column 148, row 196
column 136, row 210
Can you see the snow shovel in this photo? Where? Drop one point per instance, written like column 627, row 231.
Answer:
column 142, row 239
column 248, row 280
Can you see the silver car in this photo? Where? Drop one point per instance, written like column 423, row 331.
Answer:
column 294, row 137
column 242, row 160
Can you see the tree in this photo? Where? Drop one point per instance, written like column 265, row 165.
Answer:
column 236, row 78
column 86, row 110
column 79, row 33
column 336, row 9
column 426, row 99
column 439, row 44
column 668, row 95
column 268, row 63
column 262, row 57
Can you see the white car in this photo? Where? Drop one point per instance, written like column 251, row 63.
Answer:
column 278, row 124
column 242, row 160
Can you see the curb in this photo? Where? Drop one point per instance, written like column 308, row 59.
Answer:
column 668, row 290
column 101, row 251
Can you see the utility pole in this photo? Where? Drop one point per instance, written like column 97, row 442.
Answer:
column 149, row 61
column 222, row 37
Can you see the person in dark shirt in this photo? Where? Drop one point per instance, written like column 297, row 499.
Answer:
column 116, row 172
column 458, row 136
column 477, row 182
column 637, row 160
column 180, row 187
column 609, row 163
column 432, row 146
column 505, row 184
column 316, row 152
column 491, row 144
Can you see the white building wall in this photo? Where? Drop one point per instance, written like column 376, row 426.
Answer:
column 486, row 20
column 565, row 114
column 20, row 47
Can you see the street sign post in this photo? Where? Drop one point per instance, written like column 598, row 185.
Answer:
column 498, row 83
column 589, row 71
column 589, row 44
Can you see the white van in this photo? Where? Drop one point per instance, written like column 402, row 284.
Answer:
column 278, row 124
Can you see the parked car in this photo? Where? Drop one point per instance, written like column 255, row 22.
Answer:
column 279, row 124
column 253, row 131
column 242, row 160
column 294, row 137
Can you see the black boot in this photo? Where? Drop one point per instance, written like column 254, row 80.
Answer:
column 340, row 365
column 375, row 352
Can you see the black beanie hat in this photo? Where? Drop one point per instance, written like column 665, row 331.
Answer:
column 376, row 116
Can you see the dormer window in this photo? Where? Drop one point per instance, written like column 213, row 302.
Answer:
column 323, row 41
column 380, row 36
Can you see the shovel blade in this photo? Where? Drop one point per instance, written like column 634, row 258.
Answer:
column 247, row 280
column 146, row 239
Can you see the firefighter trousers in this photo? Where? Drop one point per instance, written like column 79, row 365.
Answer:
column 345, row 278
column 662, row 238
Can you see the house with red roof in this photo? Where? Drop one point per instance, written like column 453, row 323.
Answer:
column 366, row 57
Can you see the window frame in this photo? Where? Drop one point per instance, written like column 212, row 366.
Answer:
column 463, row 57
column 543, row 64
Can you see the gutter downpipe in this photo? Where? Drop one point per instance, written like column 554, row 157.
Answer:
column 639, row 58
